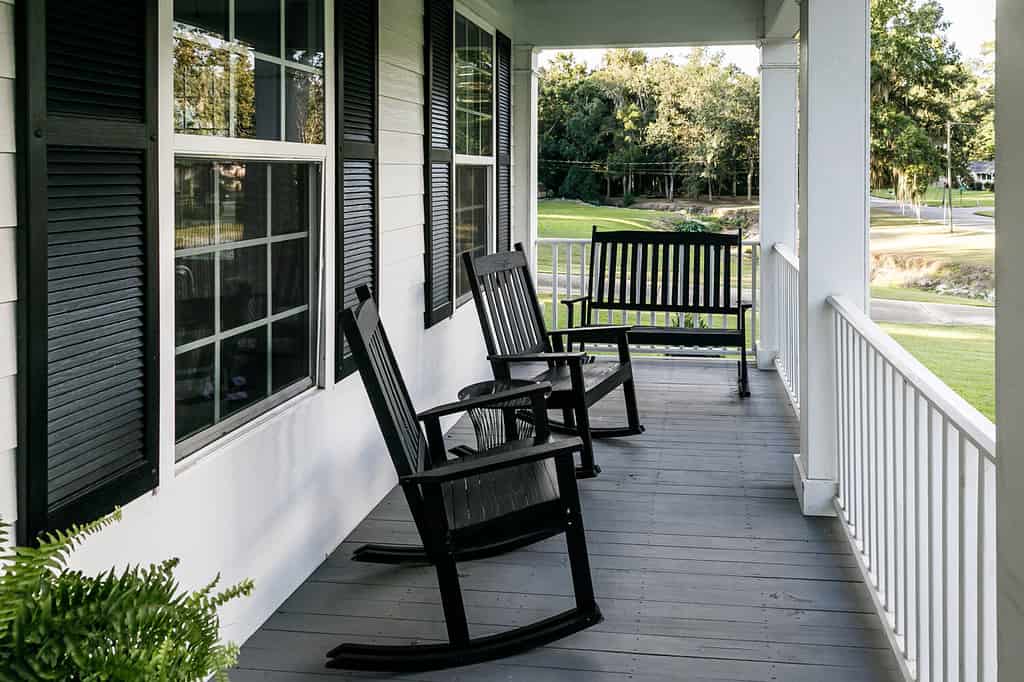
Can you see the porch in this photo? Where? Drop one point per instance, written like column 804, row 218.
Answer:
column 704, row 566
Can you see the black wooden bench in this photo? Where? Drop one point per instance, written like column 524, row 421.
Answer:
column 664, row 274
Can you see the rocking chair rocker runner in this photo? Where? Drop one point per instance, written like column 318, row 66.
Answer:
column 514, row 331
column 468, row 507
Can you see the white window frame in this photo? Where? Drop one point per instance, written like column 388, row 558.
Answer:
column 174, row 145
column 474, row 159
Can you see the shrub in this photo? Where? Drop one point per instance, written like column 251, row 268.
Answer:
column 580, row 183
column 60, row 624
column 628, row 199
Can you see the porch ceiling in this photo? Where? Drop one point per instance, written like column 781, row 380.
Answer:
column 703, row 564
column 566, row 24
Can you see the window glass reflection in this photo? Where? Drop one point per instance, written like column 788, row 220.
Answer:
column 243, row 370
column 471, row 218
column 304, row 111
column 290, row 268
column 258, row 25
column 304, row 32
column 290, row 342
column 193, row 298
column 243, row 286
column 242, row 205
column 194, row 205
column 194, row 389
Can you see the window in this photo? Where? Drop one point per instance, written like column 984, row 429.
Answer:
column 472, row 219
column 474, row 88
column 242, row 278
column 474, row 148
column 250, row 69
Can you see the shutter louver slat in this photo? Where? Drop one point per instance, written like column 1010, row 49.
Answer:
column 80, row 323
column 88, row 159
column 503, row 127
column 439, row 160
column 358, row 243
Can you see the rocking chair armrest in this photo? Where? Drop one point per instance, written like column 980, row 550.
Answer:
column 484, row 401
column 463, row 468
column 538, row 357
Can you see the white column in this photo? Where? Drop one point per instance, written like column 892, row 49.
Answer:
column 834, row 154
column 524, row 149
column 779, row 148
column 1010, row 337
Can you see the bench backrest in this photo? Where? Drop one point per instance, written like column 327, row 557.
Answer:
column 506, row 302
column 384, row 385
column 681, row 272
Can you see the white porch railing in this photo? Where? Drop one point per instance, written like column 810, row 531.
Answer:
column 916, row 496
column 563, row 271
column 787, row 360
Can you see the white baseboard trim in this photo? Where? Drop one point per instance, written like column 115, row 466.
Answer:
column 766, row 358
column 815, row 494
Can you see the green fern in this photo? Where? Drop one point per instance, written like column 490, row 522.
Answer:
column 137, row 624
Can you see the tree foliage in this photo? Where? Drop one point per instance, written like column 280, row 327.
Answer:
column 60, row 624
column 636, row 118
column 919, row 83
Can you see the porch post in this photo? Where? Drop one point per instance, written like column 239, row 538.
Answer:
column 1010, row 338
column 834, row 157
column 779, row 148
column 524, row 149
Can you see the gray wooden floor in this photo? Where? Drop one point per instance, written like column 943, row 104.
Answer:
column 704, row 567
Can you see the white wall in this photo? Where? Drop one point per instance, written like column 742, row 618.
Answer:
column 8, row 273
column 270, row 501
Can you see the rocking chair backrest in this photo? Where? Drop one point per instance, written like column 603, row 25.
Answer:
column 506, row 302
column 383, row 381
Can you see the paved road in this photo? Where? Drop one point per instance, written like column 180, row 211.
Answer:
column 931, row 313
column 962, row 217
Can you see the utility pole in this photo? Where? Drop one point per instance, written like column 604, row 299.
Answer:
column 949, row 172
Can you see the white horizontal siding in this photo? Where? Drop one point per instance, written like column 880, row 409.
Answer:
column 8, row 269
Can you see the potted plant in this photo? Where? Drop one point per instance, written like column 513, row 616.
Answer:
column 136, row 624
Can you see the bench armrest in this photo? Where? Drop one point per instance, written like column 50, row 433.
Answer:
column 484, row 401
column 599, row 333
column 463, row 468
column 577, row 299
column 538, row 357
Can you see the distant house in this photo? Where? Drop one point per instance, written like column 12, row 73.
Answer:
column 983, row 174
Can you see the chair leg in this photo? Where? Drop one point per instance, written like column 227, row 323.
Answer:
column 744, row 377
column 588, row 467
column 576, row 540
column 451, row 601
column 632, row 413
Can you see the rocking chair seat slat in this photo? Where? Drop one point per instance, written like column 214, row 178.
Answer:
column 493, row 495
column 599, row 378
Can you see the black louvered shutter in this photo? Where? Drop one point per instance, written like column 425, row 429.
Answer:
column 357, row 235
column 439, row 158
column 88, row 225
column 503, row 125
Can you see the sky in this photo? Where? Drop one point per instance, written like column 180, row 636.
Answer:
column 973, row 23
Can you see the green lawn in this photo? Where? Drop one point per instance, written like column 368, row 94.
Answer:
column 933, row 197
column 986, row 214
column 963, row 357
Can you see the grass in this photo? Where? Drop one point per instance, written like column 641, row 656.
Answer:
column 933, row 197
column 986, row 214
column 963, row 357
column 575, row 220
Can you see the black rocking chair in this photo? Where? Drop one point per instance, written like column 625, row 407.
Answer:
column 468, row 507
column 515, row 332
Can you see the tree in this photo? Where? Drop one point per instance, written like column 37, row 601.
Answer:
column 918, row 83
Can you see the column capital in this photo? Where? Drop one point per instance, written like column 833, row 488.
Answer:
column 779, row 54
column 525, row 58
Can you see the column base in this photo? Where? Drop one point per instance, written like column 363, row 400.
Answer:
column 814, row 494
column 766, row 358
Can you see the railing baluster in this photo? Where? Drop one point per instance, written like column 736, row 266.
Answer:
column 555, row 248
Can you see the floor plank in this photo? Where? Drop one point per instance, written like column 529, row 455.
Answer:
column 703, row 565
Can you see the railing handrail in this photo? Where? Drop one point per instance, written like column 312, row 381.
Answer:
column 787, row 254
column 586, row 240
column 976, row 426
